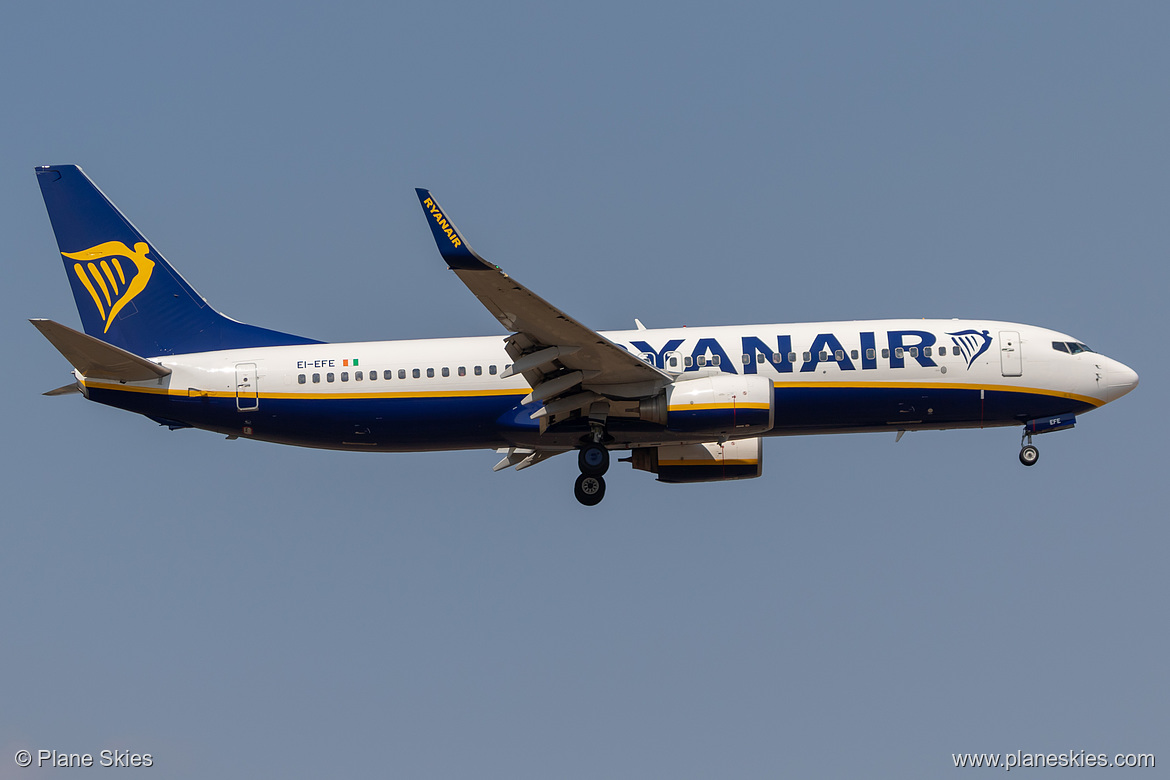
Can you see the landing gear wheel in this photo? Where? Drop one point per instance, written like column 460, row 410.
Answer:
column 589, row 490
column 1029, row 455
column 593, row 460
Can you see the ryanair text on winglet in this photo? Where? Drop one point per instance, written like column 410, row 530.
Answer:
column 442, row 222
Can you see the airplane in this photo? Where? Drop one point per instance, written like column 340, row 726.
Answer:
column 688, row 404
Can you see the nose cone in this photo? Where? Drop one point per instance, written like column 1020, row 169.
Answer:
column 1119, row 380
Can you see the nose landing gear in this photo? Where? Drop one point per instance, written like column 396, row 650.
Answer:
column 1057, row 422
column 1028, row 452
column 1029, row 455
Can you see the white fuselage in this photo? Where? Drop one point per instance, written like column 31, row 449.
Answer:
column 449, row 394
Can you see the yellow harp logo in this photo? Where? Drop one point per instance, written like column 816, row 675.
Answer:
column 102, row 270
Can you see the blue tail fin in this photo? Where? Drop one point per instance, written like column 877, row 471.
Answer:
column 126, row 292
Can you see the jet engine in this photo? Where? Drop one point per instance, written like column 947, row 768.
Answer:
column 707, row 462
column 722, row 405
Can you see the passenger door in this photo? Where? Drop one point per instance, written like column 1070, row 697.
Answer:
column 247, row 396
column 1011, row 361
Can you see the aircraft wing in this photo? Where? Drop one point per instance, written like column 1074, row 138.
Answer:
column 558, row 356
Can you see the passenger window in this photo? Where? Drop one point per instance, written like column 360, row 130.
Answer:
column 316, row 378
column 701, row 360
column 823, row 355
column 416, row 373
column 853, row 354
column 807, row 357
column 715, row 360
column 672, row 361
column 446, row 371
column 839, row 355
column 401, row 374
column 871, row 354
column 492, row 370
column 329, row 377
column 300, row 379
column 927, row 351
column 479, row 370
column 791, row 357
column 462, row 370
column 885, row 353
column 760, row 357
column 942, row 351
column 913, row 352
column 344, row 376
column 430, row 373
column 899, row 353
column 745, row 358
column 358, row 376
column 688, row 361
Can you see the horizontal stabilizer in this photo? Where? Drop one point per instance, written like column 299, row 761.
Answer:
column 96, row 359
column 68, row 389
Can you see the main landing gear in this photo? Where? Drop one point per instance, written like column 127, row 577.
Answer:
column 593, row 460
column 589, row 490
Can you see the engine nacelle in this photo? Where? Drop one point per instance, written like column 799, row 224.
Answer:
column 707, row 462
column 722, row 405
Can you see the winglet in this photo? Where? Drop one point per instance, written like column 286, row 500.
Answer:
column 452, row 247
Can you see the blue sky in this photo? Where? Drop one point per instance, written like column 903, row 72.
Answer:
column 864, row 608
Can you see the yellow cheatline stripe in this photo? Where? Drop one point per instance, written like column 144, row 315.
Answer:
column 97, row 277
column 943, row 386
column 109, row 275
column 698, row 462
column 154, row 390
column 720, row 407
column 77, row 269
column 420, row 394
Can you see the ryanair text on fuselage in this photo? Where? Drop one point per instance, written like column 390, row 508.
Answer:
column 897, row 347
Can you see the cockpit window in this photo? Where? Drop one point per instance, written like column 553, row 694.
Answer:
column 1071, row 347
